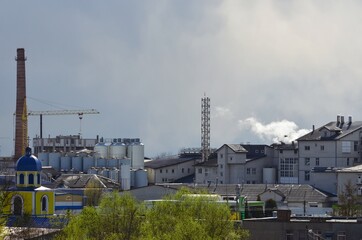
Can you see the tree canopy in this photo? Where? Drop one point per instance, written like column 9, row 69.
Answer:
column 176, row 217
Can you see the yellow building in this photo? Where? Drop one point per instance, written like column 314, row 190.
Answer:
column 29, row 197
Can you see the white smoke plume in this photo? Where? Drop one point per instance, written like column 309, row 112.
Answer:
column 280, row 131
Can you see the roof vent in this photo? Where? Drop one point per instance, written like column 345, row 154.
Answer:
column 349, row 120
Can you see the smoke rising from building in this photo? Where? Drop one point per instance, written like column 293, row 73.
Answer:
column 278, row 131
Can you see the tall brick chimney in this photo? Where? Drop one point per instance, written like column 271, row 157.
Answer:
column 21, row 114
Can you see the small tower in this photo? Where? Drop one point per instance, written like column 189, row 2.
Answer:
column 28, row 169
column 205, row 128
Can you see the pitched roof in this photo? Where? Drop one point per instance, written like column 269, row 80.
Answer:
column 339, row 131
column 82, row 180
column 160, row 163
column 292, row 192
column 237, row 148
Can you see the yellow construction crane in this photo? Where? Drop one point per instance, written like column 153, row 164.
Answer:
column 80, row 114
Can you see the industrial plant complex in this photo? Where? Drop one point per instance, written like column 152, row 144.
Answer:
column 305, row 178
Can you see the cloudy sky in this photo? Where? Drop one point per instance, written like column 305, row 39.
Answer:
column 271, row 68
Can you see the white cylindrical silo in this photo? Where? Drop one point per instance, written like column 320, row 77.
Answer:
column 54, row 160
column 141, row 178
column 269, row 175
column 88, row 162
column 77, row 163
column 101, row 150
column 117, row 150
column 65, row 163
column 125, row 176
column 138, row 155
column 44, row 158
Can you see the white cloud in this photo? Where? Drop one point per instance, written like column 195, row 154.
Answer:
column 284, row 130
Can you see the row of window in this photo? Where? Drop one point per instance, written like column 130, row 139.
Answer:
column 252, row 170
column 30, row 179
column 346, row 147
column 182, row 170
column 317, row 163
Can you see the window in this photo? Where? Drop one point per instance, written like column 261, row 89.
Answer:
column 247, row 182
column 231, row 158
column 256, row 151
column 31, row 178
column 39, row 179
column 248, row 171
column 307, row 161
column 166, row 170
column 200, row 170
column 44, row 203
column 253, row 171
column 346, row 147
column 221, row 155
column 355, row 146
column 188, row 170
column 317, row 161
column 182, row 170
column 160, row 170
column 21, row 179
column 221, row 166
column 306, row 175
column 281, row 150
column 173, row 170
column 355, row 160
column 261, row 151
column 347, row 161
column 322, row 147
column 221, row 174
column 17, row 206
column 307, row 148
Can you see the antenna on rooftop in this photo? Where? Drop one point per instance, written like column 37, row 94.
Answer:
column 205, row 128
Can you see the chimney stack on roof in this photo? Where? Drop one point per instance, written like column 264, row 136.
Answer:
column 349, row 120
column 342, row 120
column 338, row 120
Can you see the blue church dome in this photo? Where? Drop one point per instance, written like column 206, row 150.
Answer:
column 28, row 162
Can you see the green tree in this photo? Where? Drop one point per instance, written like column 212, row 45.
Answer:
column 348, row 201
column 118, row 217
column 182, row 217
column 270, row 206
column 93, row 193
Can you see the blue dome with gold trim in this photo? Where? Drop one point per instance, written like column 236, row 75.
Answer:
column 28, row 162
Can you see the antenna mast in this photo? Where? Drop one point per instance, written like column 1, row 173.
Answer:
column 205, row 128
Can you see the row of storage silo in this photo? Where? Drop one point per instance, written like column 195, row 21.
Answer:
column 121, row 148
column 64, row 162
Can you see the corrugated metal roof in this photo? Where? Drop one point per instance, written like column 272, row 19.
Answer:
column 160, row 163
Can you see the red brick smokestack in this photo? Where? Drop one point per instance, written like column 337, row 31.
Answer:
column 21, row 122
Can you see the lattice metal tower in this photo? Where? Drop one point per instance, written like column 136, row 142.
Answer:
column 205, row 128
